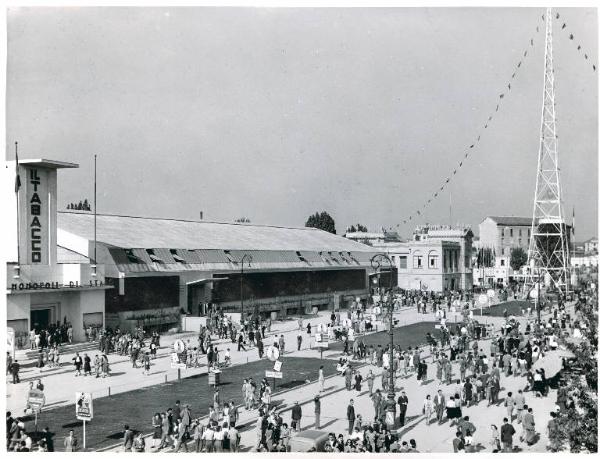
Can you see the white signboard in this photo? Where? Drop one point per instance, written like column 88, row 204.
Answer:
column 84, row 409
column 175, row 362
column 491, row 293
column 273, row 374
column 483, row 299
column 277, row 365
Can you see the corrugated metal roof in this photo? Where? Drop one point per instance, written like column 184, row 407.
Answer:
column 141, row 232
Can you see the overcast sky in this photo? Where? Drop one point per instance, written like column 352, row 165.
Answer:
column 273, row 114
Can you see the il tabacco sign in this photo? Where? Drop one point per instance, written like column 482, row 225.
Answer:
column 53, row 285
column 37, row 216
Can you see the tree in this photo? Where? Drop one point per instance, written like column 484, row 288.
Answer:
column 518, row 258
column 361, row 229
column 322, row 221
column 242, row 220
column 577, row 426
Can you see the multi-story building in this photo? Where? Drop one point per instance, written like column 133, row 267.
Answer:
column 591, row 246
column 502, row 234
column 437, row 259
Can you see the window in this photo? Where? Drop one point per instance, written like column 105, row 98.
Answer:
column 299, row 255
column 502, row 250
column 402, row 259
column 417, row 260
column 131, row 257
column 324, row 258
column 229, row 257
column 502, row 262
column 520, row 232
column 511, row 232
column 153, row 256
column 433, row 260
column 176, row 257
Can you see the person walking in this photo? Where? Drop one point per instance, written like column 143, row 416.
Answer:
column 127, row 439
column 403, row 403
column 321, row 379
column 70, row 442
column 439, row 402
column 519, row 405
column 14, row 371
column 299, row 340
column 351, row 416
column 370, row 381
column 78, row 362
column 529, row 427
column 509, row 403
column 506, row 436
column 296, row 417
column 428, row 409
column 317, row 401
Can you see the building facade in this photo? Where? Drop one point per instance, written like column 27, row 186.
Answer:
column 437, row 259
column 163, row 268
column 45, row 284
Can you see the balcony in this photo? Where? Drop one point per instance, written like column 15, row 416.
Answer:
column 44, row 277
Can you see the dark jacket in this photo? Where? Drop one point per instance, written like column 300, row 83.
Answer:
column 296, row 412
column 350, row 413
column 506, row 432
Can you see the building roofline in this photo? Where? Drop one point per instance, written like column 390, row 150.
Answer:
column 48, row 163
column 192, row 221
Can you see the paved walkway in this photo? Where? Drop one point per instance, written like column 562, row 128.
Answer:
column 61, row 385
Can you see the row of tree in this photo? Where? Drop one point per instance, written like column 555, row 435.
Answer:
column 83, row 205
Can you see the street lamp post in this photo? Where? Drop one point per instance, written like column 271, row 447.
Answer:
column 246, row 257
column 376, row 262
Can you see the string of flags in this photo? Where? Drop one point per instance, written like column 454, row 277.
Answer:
column 501, row 98
column 579, row 48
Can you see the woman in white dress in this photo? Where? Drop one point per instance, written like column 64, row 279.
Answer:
column 428, row 408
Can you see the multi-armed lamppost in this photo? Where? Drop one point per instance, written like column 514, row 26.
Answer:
column 246, row 258
column 376, row 263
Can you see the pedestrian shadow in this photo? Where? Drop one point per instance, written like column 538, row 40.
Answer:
column 427, row 381
column 407, row 429
column 118, row 373
column 477, row 448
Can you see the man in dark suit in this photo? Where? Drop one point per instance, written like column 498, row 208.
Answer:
column 177, row 411
column 297, row 417
column 127, row 439
column 351, row 416
column 403, row 402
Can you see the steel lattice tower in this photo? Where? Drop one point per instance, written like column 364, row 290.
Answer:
column 549, row 242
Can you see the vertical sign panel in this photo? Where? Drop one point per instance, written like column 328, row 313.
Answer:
column 37, row 216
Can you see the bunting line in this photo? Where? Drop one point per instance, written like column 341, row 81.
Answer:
column 579, row 48
column 501, row 99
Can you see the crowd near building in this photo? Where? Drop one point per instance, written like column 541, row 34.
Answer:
column 78, row 270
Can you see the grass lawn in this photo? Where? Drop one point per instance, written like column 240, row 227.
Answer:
column 408, row 335
column 137, row 407
column 513, row 308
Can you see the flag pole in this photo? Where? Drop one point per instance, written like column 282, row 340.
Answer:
column 95, row 267
column 17, row 187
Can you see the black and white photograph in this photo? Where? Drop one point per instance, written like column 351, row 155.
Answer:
column 300, row 228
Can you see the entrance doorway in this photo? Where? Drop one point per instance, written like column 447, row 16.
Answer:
column 40, row 318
